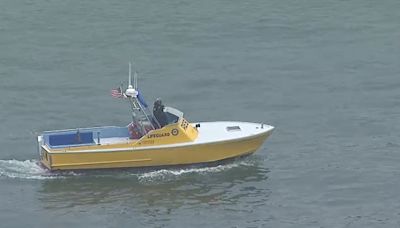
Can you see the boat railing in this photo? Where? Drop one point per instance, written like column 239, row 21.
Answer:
column 75, row 129
column 83, row 136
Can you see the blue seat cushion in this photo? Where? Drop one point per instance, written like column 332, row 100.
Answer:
column 71, row 138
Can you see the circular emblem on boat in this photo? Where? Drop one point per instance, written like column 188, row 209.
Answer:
column 174, row 132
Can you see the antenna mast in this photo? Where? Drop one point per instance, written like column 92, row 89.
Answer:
column 135, row 80
column 139, row 115
column 130, row 81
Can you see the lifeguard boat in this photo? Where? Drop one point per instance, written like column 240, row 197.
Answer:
column 155, row 139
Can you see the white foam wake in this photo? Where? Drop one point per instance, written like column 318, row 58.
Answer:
column 163, row 174
column 28, row 169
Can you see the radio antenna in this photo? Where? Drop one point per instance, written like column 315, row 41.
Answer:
column 130, row 79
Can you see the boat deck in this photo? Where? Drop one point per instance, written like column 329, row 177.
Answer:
column 115, row 140
column 221, row 131
column 86, row 137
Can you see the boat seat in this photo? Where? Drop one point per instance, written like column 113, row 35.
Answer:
column 134, row 132
column 76, row 138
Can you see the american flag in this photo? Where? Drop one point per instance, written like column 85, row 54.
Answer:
column 117, row 93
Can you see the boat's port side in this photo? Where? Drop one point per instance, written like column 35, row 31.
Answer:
column 175, row 144
column 144, row 157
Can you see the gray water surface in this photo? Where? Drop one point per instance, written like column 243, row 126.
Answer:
column 326, row 74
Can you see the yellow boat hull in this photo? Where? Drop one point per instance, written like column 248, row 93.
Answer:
column 147, row 157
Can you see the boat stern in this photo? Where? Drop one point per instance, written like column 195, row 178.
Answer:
column 44, row 156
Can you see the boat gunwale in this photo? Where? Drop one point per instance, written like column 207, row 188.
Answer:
column 133, row 149
column 78, row 128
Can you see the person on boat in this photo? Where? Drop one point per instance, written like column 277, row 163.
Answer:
column 158, row 112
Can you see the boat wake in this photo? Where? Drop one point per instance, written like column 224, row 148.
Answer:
column 28, row 169
column 31, row 169
column 168, row 174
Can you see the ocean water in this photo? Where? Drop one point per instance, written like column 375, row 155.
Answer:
column 326, row 74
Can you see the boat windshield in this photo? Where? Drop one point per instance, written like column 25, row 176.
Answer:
column 172, row 114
